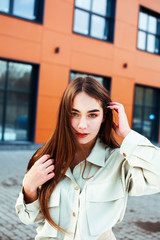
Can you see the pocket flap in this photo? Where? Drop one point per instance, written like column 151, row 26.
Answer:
column 103, row 192
column 54, row 198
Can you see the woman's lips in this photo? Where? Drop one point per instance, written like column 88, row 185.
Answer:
column 82, row 135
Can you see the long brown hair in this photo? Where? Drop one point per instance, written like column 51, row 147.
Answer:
column 62, row 144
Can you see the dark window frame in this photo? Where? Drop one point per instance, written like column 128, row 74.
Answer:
column 108, row 79
column 32, row 100
column 38, row 9
column 149, row 12
column 144, row 107
column 111, row 21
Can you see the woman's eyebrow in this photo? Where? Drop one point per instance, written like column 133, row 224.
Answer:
column 90, row 111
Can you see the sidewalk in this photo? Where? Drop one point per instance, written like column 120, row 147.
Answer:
column 141, row 222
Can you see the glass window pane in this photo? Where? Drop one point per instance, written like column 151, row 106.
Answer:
column 100, row 7
column 143, row 21
column 24, row 8
column 1, row 112
column 137, row 119
column 158, row 26
column 157, row 45
column 16, row 126
column 152, row 27
column 139, row 93
column 147, row 123
column 141, row 40
column 81, row 22
column 151, row 43
column 85, row 4
column 149, row 97
column 4, row 6
column 19, row 76
column 99, row 27
column 3, row 70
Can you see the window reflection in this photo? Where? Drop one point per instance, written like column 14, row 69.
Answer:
column 141, row 40
column 146, row 112
column 4, row 6
column 151, row 43
column 100, row 7
column 95, row 18
column 28, row 9
column 16, row 110
column 1, row 112
column 152, row 24
column 143, row 21
column 24, row 8
column 19, row 76
column 3, row 70
column 81, row 21
column 98, row 27
column 16, row 116
column 85, row 4
column 149, row 31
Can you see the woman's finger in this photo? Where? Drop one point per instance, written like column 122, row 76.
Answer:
column 47, row 163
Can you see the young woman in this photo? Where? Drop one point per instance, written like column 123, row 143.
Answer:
column 77, row 184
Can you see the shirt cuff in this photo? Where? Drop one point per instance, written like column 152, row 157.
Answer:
column 29, row 207
column 130, row 142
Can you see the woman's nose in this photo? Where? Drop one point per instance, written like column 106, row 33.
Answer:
column 82, row 123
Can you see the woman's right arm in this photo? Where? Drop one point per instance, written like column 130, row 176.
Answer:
column 40, row 172
column 27, row 205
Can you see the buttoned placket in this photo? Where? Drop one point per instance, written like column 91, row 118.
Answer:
column 75, row 212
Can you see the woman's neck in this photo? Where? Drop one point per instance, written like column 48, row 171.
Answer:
column 82, row 153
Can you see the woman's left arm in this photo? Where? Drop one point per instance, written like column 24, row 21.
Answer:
column 141, row 166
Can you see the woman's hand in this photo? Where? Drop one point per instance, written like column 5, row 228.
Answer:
column 40, row 172
column 122, row 128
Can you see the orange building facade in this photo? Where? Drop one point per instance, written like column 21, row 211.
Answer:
column 55, row 50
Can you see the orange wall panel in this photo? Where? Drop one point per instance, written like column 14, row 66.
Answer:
column 47, row 112
column 127, row 11
column 21, row 29
column 53, row 79
column 19, row 49
column 51, row 40
column 91, row 64
column 59, row 15
column 147, row 77
column 125, row 36
column 120, row 58
column 92, row 47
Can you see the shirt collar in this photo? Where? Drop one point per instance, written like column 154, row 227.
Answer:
column 97, row 155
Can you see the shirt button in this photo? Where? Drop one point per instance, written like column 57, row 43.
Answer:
column 124, row 155
column 76, row 188
column 74, row 214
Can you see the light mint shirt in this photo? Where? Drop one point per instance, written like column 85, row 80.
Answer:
column 88, row 208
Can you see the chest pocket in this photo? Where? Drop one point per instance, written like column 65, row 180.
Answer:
column 46, row 230
column 105, row 202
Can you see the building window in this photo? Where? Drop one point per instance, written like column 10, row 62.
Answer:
column 31, row 10
column 146, row 116
column 18, row 86
column 149, row 31
column 95, row 18
column 105, row 81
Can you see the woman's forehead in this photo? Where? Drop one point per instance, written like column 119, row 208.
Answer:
column 84, row 101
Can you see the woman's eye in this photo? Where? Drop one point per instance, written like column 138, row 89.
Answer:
column 74, row 114
column 92, row 115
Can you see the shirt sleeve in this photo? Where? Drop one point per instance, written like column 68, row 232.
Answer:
column 141, row 165
column 28, row 213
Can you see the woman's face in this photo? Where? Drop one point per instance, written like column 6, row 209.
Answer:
column 87, row 117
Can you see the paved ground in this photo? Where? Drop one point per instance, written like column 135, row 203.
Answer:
column 141, row 222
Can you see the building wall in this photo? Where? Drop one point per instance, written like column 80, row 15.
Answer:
column 26, row 41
